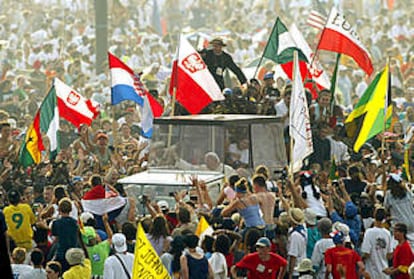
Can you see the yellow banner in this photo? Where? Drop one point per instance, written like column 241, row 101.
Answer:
column 147, row 264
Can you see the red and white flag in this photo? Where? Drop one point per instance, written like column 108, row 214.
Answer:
column 73, row 107
column 195, row 86
column 100, row 200
column 315, row 70
column 339, row 36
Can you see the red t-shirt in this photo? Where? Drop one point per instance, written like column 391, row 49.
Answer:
column 403, row 255
column 259, row 269
column 346, row 257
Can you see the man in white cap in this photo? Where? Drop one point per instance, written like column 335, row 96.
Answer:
column 119, row 265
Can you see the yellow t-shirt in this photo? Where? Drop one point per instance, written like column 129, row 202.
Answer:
column 20, row 219
column 79, row 271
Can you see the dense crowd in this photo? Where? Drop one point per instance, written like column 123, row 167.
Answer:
column 345, row 215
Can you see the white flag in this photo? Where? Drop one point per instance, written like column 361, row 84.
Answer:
column 300, row 128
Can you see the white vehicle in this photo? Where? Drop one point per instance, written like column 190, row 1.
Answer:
column 180, row 144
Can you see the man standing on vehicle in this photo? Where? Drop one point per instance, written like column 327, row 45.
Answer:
column 217, row 61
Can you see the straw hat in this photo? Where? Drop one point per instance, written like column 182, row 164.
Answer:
column 297, row 216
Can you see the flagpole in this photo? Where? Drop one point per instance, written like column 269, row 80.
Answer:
column 291, row 143
column 264, row 51
column 384, row 184
column 174, row 79
column 334, row 83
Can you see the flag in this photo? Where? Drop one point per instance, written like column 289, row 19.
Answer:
column 299, row 129
column 333, row 172
column 339, row 36
column 333, row 82
column 194, row 85
column 317, row 16
column 125, row 84
column 45, row 121
column 72, row 106
column 367, row 118
column 315, row 69
column 203, row 229
column 149, row 110
column 147, row 263
column 100, row 200
column 280, row 48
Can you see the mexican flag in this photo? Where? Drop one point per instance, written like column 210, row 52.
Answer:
column 280, row 48
column 46, row 121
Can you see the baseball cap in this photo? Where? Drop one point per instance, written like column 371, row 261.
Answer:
column 163, row 205
column 263, row 242
column 268, row 75
column 88, row 234
column 85, row 217
column 119, row 242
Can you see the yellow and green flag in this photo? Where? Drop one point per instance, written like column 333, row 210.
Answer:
column 367, row 118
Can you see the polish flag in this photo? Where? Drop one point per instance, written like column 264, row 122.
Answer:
column 73, row 107
column 194, row 84
column 339, row 36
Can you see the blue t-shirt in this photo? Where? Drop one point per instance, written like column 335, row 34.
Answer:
column 66, row 228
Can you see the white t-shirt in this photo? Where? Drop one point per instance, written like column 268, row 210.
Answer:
column 376, row 243
column 318, row 255
column 218, row 265
column 316, row 205
column 22, row 271
column 297, row 246
column 113, row 268
column 38, row 273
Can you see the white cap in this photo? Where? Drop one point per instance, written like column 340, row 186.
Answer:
column 119, row 243
column 85, row 217
column 163, row 204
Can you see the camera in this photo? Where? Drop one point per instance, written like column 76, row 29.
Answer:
column 282, row 173
column 335, row 183
column 144, row 199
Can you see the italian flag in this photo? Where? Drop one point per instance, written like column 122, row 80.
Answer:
column 280, row 48
column 46, row 121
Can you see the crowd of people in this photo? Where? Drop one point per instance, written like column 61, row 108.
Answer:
column 345, row 215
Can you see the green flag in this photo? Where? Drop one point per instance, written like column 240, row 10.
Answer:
column 367, row 118
column 280, row 46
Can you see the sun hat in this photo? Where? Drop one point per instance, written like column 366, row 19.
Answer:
column 296, row 216
column 310, row 216
column 75, row 256
column 305, row 265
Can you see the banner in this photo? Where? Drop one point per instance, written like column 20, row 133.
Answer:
column 147, row 264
